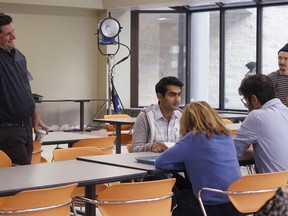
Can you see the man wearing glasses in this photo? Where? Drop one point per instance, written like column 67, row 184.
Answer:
column 265, row 127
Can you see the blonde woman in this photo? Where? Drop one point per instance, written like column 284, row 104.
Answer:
column 207, row 152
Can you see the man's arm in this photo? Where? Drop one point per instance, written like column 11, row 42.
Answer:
column 248, row 154
column 141, row 134
column 245, row 136
column 38, row 123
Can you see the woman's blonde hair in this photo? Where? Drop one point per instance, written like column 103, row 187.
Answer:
column 201, row 117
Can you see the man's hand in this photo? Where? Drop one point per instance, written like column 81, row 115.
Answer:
column 249, row 154
column 38, row 123
column 158, row 147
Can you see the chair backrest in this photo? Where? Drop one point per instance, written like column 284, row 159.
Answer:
column 252, row 200
column 151, row 198
column 111, row 127
column 233, row 132
column 129, row 147
column 105, row 144
column 44, row 202
column 5, row 161
column 73, row 153
column 37, row 153
column 227, row 121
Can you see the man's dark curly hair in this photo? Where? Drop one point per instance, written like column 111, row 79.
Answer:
column 161, row 86
column 259, row 85
column 4, row 20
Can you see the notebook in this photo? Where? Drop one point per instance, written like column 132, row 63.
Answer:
column 169, row 144
column 146, row 159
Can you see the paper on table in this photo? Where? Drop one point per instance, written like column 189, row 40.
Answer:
column 169, row 144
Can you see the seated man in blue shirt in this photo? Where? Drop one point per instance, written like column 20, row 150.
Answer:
column 265, row 127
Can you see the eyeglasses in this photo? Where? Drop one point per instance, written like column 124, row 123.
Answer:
column 244, row 101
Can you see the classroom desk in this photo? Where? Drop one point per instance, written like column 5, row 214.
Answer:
column 37, row 176
column 232, row 116
column 126, row 160
column 117, row 122
column 81, row 102
column 60, row 137
column 234, row 126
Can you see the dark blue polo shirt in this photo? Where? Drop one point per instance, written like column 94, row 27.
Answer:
column 16, row 99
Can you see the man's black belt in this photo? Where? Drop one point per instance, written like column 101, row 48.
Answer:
column 10, row 124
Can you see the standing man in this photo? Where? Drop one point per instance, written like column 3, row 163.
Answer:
column 17, row 106
column 252, row 69
column 265, row 127
column 280, row 77
column 159, row 123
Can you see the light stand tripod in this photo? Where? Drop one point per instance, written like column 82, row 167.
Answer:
column 109, row 62
column 110, row 57
column 107, row 33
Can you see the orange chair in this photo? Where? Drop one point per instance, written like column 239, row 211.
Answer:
column 36, row 155
column 151, row 198
column 126, row 130
column 227, row 121
column 129, row 147
column 105, row 144
column 249, row 193
column 44, row 202
column 5, row 161
column 72, row 154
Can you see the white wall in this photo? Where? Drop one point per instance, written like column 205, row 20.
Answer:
column 61, row 50
column 92, row 4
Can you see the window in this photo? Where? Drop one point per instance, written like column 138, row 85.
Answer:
column 161, row 52
column 274, row 36
column 240, row 49
column 222, row 38
column 204, row 62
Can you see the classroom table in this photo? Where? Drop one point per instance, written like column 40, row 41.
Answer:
column 117, row 122
column 234, row 126
column 60, row 137
column 233, row 116
column 37, row 176
column 126, row 160
column 81, row 102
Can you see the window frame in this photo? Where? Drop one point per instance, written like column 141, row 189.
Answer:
column 188, row 10
column 135, row 58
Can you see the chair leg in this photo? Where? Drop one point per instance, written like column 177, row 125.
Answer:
column 250, row 169
column 73, row 210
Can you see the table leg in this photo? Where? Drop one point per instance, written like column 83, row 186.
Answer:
column 81, row 115
column 90, row 193
column 118, row 139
